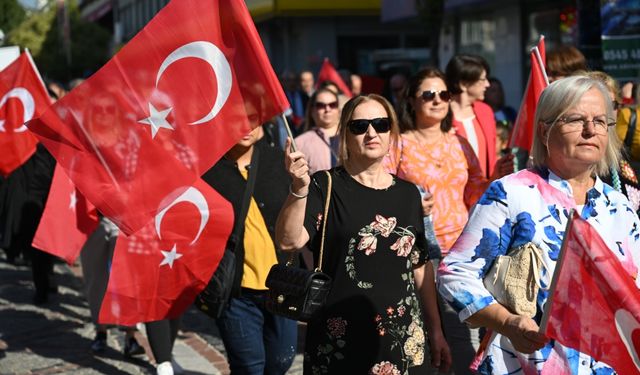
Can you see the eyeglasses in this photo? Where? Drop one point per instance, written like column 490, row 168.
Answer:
column 429, row 95
column 577, row 123
column 320, row 105
column 380, row 125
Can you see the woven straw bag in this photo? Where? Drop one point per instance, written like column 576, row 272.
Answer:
column 514, row 279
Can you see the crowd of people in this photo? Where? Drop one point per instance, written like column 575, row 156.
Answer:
column 394, row 307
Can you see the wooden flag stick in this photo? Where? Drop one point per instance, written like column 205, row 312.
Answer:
column 289, row 133
column 536, row 51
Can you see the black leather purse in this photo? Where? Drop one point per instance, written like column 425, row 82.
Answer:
column 216, row 294
column 298, row 293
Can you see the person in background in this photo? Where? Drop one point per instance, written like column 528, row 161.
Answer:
column 383, row 285
column 320, row 142
column 574, row 144
column 628, row 94
column 307, row 84
column 473, row 119
column 355, row 84
column 444, row 164
column 629, row 132
column 564, row 61
column 494, row 96
column 622, row 176
column 257, row 342
column 397, row 84
column 295, row 114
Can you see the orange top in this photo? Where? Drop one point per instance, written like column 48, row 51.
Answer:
column 449, row 169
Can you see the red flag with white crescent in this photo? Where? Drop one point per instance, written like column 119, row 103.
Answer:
column 523, row 128
column 22, row 97
column 158, row 271
column 67, row 221
column 602, row 299
column 180, row 94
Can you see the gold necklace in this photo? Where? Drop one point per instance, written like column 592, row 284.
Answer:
column 438, row 162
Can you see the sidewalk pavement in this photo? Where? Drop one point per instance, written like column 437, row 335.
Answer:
column 54, row 338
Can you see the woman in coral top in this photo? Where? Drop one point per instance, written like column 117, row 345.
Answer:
column 443, row 163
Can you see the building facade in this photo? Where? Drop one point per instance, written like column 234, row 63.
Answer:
column 380, row 37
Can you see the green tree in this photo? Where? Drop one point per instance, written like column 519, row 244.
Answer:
column 11, row 15
column 43, row 34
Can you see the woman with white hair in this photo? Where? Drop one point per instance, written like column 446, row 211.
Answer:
column 574, row 144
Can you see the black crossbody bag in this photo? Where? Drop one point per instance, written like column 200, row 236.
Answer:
column 215, row 296
column 298, row 293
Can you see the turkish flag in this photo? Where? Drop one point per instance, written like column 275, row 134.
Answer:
column 523, row 129
column 158, row 271
column 329, row 73
column 22, row 97
column 67, row 220
column 595, row 290
column 180, row 94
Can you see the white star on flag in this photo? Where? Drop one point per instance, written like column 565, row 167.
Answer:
column 170, row 257
column 157, row 119
column 73, row 200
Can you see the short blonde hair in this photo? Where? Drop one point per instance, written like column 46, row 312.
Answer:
column 555, row 101
column 347, row 115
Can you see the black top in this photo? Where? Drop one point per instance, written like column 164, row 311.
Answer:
column 270, row 192
column 374, row 239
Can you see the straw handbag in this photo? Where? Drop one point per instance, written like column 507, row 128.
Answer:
column 514, row 279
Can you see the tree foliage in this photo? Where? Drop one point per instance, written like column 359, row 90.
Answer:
column 42, row 33
column 11, row 15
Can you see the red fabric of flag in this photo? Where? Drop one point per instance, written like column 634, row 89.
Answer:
column 22, row 97
column 523, row 129
column 595, row 305
column 158, row 271
column 67, row 221
column 329, row 73
column 159, row 114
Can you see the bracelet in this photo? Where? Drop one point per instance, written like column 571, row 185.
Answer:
column 297, row 195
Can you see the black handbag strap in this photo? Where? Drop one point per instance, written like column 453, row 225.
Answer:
column 628, row 138
column 252, row 170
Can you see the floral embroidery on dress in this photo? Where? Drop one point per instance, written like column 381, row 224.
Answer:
column 385, row 227
column 410, row 340
column 336, row 329
column 384, row 368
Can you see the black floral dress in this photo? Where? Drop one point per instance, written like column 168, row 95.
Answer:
column 372, row 322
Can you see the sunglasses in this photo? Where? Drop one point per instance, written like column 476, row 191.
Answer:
column 320, row 106
column 380, row 125
column 429, row 95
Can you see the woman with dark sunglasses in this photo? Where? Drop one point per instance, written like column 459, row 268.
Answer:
column 374, row 250
column 443, row 163
column 319, row 142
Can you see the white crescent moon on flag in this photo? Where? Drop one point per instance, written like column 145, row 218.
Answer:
column 28, row 104
column 210, row 53
column 194, row 196
column 625, row 325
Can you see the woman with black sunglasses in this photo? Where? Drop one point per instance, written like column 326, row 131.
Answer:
column 443, row 163
column 319, row 142
column 374, row 250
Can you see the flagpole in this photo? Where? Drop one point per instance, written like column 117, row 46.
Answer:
column 35, row 68
column 556, row 275
column 536, row 51
column 289, row 133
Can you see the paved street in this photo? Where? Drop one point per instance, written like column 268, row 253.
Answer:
column 54, row 338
